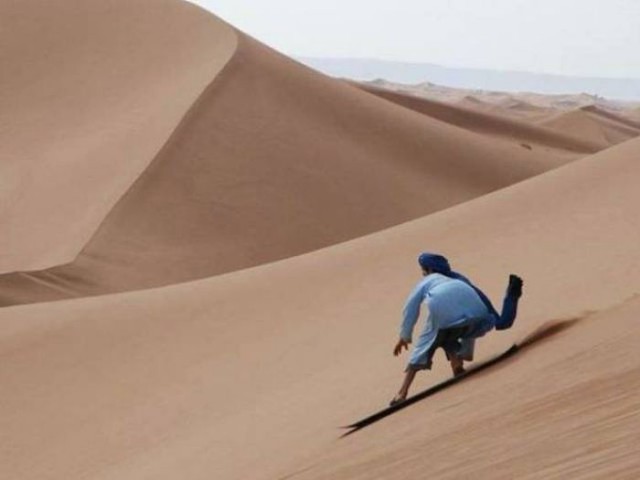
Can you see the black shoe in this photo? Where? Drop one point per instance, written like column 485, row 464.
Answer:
column 515, row 286
column 459, row 371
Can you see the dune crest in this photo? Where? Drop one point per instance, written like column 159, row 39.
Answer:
column 272, row 161
column 89, row 93
column 489, row 124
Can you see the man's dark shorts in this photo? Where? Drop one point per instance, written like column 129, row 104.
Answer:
column 447, row 339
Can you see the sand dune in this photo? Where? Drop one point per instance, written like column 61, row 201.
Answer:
column 247, row 374
column 302, row 162
column 488, row 124
column 470, row 100
column 527, row 106
column 509, row 107
column 89, row 93
column 220, row 376
column 602, row 126
column 578, row 384
column 524, row 109
column 512, row 103
column 596, row 110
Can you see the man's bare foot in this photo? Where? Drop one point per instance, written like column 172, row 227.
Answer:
column 399, row 398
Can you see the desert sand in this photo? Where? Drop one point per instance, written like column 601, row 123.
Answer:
column 523, row 104
column 213, row 289
column 601, row 126
column 84, row 114
column 490, row 124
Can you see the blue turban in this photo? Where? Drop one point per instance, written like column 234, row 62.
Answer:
column 439, row 264
column 434, row 262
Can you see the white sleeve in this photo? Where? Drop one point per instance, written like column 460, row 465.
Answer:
column 411, row 312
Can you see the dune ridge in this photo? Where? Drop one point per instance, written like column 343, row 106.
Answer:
column 508, row 107
column 525, row 106
column 90, row 92
column 603, row 127
column 319, row 159
column 490, row 124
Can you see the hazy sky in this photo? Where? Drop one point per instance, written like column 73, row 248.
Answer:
column 572, row 37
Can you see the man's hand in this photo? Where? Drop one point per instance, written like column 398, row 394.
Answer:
column 402, row 343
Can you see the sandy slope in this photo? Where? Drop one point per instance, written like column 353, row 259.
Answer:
column 601, row 126
column 275, row 160
column 567, row 407
column 246, row 375
column 527, row 106
column 89, row 92
column 490, row 124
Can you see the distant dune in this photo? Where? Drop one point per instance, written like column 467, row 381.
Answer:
column 512, row 104
column 507, row 106
column 207, row 247
column 601, row 126
column 524, row 105
column 364, row 69
column 490, row 124
column 473, row 101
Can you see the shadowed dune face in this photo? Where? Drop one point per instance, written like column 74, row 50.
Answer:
column 89, row 92
column 275, row 160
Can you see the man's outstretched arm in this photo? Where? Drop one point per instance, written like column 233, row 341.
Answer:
column 411, row 313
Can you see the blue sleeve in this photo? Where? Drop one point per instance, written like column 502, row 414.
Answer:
column 483, row 297
column 411, row 312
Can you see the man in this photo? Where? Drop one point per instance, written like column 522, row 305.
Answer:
column 459, row 312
